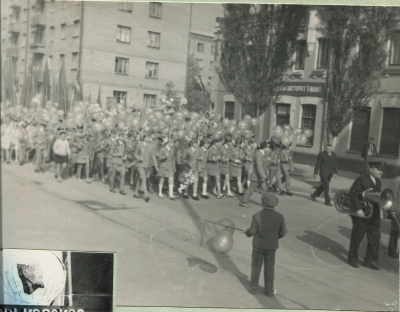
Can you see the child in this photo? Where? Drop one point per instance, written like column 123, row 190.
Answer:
column 267, row 227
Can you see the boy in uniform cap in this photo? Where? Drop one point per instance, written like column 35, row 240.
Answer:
column 267, row 227
column 361, row 225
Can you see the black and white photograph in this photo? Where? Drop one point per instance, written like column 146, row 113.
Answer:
column 80, row 281
column 230, row 155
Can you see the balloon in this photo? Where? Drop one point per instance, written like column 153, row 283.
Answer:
column 180, row 134
column 297, row 131
column 146, row 128
column 278, row 131
column 98, row 127
column 287, row 128
column 162, row 125
column 286, row 140
column 218, row 134
column 217, row 116
column 254, row 122
column 167, row 118
column 287, row 133
column 242, row 125
column 194, row 116
column 203, row 129
column 179, row 115
column 227, row 222
column 225, row 122
column 153, row 121
column 231, row 129
column 213, row 125
column 155, row 128
column 275, row 139
column 121, row 124
column 308, row 133
column 247, row 118
column 302, row 139
column 222, row 242
column 185, row 112
column 158, row 115
column 248, row 134
column 148, row 111
column 136, row 122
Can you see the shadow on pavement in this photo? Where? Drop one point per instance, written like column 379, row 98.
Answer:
column 97, row 205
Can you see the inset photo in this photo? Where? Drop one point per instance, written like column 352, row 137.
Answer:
column 77, row 280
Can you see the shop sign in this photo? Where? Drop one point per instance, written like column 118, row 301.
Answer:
column 302, row 89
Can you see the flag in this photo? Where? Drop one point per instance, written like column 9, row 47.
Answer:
column 46, row 95
column 62, row 90
column 54, row 88
column 90, row 95
column 99, row 97
column 8, row 82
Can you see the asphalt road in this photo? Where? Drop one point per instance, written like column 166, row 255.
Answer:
column 159, row 258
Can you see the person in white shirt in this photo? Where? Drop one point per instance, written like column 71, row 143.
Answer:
column 62, row 154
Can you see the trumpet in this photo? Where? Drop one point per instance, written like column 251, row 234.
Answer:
column 343, row 203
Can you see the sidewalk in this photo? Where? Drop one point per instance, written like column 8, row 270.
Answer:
column 302, row 180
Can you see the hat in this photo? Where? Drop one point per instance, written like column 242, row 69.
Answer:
column 377, row 164
column 61, row 130
column 263, row 145
column 269, row 200
column 79, row 126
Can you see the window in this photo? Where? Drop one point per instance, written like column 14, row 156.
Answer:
column 229, row 110
column 323, row 52
column 151, row 70
column 360, row 130
column 63, row 26
column 121, row 65
column 123, row 34
column 51, row 33
column 211, row 65
column 308, row 120
column 120, row 95
column 62, row 58
column 199, row 63
column 76, row 28
column 390, row 140
column 125, row 6
column 74, row 61
column 155, row 9
column 212, row 49
column 149, row 100
column 153, row 39
column 38, row 35
column 394, row 56
column 200, row 47
column 209, row 81
column 301, row 53
column 282, row 114
column 64, row 4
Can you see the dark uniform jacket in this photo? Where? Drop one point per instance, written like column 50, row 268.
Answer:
column 326, row 165
column 267, row 227
column 259, row 162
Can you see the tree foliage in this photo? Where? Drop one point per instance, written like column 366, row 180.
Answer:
column 358, row 41
column 258, row 44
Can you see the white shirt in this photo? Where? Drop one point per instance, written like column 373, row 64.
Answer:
column 373, row 179
column 61, row 147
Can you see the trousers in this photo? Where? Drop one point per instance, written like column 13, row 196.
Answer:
column 324, row 187
column 253, row 186
column 393, row 239
column 258, row 257
column 360, row 228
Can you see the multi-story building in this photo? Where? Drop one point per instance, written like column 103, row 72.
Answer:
column 130, row 50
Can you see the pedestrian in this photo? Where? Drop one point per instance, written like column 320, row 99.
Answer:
column 235, row 164
column 15, row 131
column 368, row 154
column 361, row 225
column 249, row 148
column 394, row 215
column 166, row 168
column 118, row 157
column 40, row 141
column 83, row 154
column 267, row 227
column 327, row 167
column 6, row 129
column 213, row 168
column 287, row 166
column 23, row 138
column 275, row 170
column 62, row 154
column 190, row 163
column 224, row 165
column 258, row 175
column 202, row 165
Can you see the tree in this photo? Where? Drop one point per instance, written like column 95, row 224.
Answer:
column 358, row 39
column 258, row 43
column 197, row 94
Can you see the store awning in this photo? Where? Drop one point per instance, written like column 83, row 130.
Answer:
column 389, row 100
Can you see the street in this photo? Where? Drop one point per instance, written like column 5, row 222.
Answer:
column 159, row 258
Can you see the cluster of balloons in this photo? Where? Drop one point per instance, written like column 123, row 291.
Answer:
column 284, row 135
column 223, row 241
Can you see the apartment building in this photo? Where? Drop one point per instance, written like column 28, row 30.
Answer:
column 129, row 50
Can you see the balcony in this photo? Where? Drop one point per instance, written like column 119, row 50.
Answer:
column 38, row 19
column 12, row 52
column 37, row 47
column 14, row 5
column 13, row 28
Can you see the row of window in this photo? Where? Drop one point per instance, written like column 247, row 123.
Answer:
column 155, row 8
column 200, row 48
column 149, row 100
column 124, row 35
column 122, row 67
column 324, row 48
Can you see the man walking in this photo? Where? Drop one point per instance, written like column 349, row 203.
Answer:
column 327, row 167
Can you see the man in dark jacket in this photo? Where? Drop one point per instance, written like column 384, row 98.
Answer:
column 267, row 227
column 368, row 153
column 361, row 226
column 327, row 167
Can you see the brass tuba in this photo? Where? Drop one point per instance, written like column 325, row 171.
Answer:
column 343, row 203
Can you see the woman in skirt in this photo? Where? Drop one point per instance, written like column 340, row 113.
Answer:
column 202, row 164
column 235, row 164
column 224, row 165
column 62, row 154
column 6, row 129
column 212, row 166
column 166, row 170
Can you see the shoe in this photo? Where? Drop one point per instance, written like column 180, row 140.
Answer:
column 272, row 293
column 242, row 204
column 21, row 163
column 241, row 194
column 147, row 199
column 328, row 204
column 55, row 176
column 80, row 180
column 173, row 198
column 394, row 255
column 112, row 190
column 41, row 170
column 160, row 196
column 37, row 170
column 185, row 196
column 196, row 197
column 136, row 195
column 313, row 197
column 289, row 193
column 281, row 193
column 230, row 195
column 370, row 264
column 122, row 192
column 219, row 196
column 141, row 192
column 88, row 181
column 59, row 181
column 253, row 291
column 205, row 196
column 354, row 264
